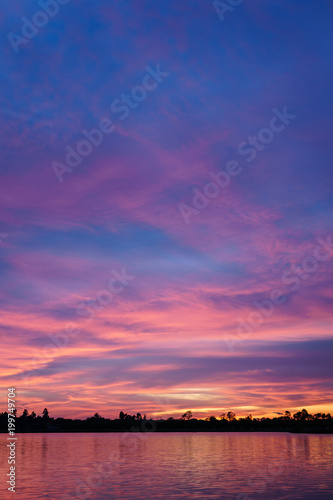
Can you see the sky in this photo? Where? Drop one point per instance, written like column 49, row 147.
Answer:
column 166, row 238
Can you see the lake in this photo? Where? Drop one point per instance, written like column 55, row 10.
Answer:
column 134, row 466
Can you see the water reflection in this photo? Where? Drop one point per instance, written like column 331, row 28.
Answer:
column 237, row 466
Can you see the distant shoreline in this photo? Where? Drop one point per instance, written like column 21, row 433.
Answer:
column 300, row 423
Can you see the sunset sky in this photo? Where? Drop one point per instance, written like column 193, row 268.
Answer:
column 174, row 336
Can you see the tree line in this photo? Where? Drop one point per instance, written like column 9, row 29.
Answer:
column 301, row 421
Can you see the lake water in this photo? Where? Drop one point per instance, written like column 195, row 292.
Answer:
column 238, row 466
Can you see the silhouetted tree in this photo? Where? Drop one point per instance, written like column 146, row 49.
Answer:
column 25, row 413
column 122, row 415
column 302, row 415
column 305, row 415
column 187, row 415
column 45, row 414
column 231, row 416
